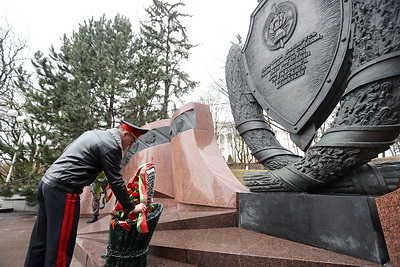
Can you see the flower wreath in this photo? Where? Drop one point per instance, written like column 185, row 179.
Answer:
column 140, row 189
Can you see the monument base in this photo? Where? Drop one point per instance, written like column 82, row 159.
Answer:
column 340, row 223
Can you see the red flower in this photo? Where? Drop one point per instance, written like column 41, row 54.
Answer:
column 135, row 194
column 119, row 207
column 120, row 216
column 133, row 184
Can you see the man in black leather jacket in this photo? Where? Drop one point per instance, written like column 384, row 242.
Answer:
column 53, row 236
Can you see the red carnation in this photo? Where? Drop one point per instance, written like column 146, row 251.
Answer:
column 132, row 183
column 135, row 194
column 119, row 207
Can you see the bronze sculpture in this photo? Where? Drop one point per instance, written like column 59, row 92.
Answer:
column 315, row 54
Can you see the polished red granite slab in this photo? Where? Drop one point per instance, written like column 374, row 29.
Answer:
column 389, row 214
column 173, row 218
column 239, row 247
column 102, row 225
column 94, row 248
column 207, row 238
column 90, row 248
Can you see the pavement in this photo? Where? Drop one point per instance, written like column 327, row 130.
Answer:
column 15, row 232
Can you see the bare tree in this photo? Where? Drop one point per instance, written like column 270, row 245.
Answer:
column 12, row 48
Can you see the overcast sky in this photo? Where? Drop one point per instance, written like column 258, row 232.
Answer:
column 213, row 27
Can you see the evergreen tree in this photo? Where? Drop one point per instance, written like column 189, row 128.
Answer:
column 162, row 46
column 83, row 86
column 79, row 88
column 102, row 73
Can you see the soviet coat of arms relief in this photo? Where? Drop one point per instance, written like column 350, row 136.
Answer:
column 300, row 59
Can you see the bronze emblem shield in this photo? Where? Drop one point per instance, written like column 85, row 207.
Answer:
column 296, row 59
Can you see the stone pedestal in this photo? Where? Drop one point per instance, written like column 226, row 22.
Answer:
column 190, row 168
column 389, row 214
column 345, row 224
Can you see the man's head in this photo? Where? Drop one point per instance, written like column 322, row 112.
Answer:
column 130, row 133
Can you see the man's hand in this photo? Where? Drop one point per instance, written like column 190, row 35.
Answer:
column 139, row 208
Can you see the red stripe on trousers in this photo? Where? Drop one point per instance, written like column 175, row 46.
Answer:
column 66, row 230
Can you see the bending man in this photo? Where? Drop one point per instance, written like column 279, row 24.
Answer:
column 54, row 233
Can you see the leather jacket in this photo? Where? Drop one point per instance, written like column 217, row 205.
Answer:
column 81, row 162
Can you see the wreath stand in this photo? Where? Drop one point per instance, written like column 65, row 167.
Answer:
column 129, row 238
column 129, row 248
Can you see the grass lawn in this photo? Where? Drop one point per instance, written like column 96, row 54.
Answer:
column 394, row 158
column 239, row 173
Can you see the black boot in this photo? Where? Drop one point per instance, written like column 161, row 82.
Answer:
column 94, row 219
